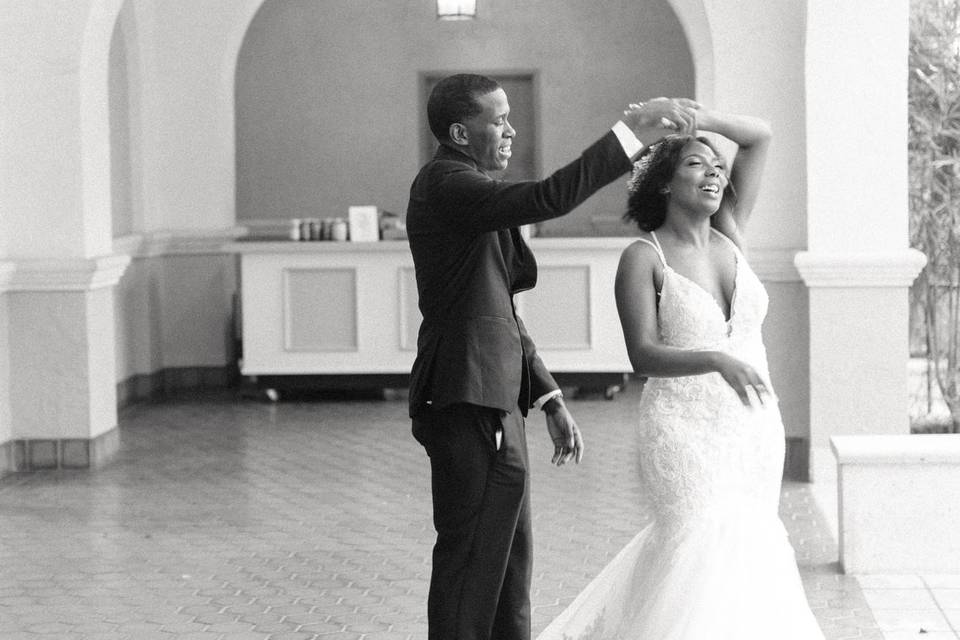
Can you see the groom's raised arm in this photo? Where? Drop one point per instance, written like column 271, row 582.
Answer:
column 471, row 201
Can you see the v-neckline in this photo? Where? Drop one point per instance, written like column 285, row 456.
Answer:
column 716, row 303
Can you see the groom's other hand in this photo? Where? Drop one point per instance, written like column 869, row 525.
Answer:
column 567, row 441
column 652, row 120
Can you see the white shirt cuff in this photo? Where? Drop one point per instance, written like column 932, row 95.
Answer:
column 542, row 400
column 630, row 143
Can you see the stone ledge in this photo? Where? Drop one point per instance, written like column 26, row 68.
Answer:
column 898, row 503
column 896, row 449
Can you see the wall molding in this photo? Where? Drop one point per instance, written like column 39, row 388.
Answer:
column 6, row 274
column 863, row 269
column 66, row 274
column 182, row 242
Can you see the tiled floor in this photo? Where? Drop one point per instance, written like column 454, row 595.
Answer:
column 233, row 519
column 902, row 605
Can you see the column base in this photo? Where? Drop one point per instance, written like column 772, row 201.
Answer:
column 47, row 454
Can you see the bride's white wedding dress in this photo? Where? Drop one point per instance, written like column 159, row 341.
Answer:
column 715, row 564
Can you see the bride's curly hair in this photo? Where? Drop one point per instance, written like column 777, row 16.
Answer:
column 652, row 172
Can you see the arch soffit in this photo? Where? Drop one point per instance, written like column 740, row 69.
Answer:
column 692, row 15
column 95, row 123
column 94, row 66
column 246, row 12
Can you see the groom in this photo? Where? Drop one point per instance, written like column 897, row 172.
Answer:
column 477, row 371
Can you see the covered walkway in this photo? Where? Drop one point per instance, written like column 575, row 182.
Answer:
column 235, row 520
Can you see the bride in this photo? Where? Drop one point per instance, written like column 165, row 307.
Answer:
column 715, row 563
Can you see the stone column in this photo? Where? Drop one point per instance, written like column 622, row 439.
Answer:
column 857, row 266
column 62, row 364
column 55, row 171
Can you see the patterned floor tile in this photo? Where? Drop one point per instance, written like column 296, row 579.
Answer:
column 230, row 518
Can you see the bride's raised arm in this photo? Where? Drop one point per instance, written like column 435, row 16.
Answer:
column 752, row 136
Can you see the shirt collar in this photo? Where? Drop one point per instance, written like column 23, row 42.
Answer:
column 445, row 152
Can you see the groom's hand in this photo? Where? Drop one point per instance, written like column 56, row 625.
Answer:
column 652, row 120
column 567, row 442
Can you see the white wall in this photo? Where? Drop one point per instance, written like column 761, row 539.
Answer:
column 40, row 170
column 787, row 339
column 175, row 310
column 172, row 190
column 6, row 427
column 322, row 151
column 759, row 69
column 125, row 153
column 857, row 138
column 184, row 124
column 328, row 97
column 174, row 106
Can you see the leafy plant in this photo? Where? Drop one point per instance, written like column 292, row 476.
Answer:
column 934, row 160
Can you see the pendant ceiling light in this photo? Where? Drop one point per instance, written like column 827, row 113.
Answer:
column 456, row 9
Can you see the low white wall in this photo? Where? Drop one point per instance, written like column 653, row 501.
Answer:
column 899, row 503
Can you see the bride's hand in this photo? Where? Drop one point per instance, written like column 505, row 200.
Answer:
column 659, row 117
column 742, row 378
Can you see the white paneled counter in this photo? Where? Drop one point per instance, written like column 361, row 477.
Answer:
column 319, row 308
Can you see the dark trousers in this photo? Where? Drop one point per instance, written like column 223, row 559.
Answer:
column 482, row 561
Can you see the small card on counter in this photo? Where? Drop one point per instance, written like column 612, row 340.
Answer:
column 364, row 223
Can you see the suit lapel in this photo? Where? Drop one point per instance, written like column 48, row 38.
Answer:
column 520, row 262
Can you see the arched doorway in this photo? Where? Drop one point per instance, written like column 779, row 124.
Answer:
column 323, row 122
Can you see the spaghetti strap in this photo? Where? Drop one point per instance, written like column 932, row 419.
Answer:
column 656, row 247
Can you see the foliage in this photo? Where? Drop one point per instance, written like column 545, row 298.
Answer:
column 934, row 153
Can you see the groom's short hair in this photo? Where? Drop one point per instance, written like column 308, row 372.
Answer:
column 454, row 99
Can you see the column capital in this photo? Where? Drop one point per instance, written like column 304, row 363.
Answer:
column 67, row 274
column 860, row 269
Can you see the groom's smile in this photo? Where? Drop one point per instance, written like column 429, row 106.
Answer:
column 489, row 133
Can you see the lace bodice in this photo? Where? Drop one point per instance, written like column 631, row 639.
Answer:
column 690, row 318
column 702, row 448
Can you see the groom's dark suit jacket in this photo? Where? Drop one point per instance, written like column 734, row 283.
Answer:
column 470, row 259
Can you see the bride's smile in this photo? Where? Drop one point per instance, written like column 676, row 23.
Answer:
column 699, row 181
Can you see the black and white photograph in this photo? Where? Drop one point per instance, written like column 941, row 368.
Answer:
column 479, row 320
